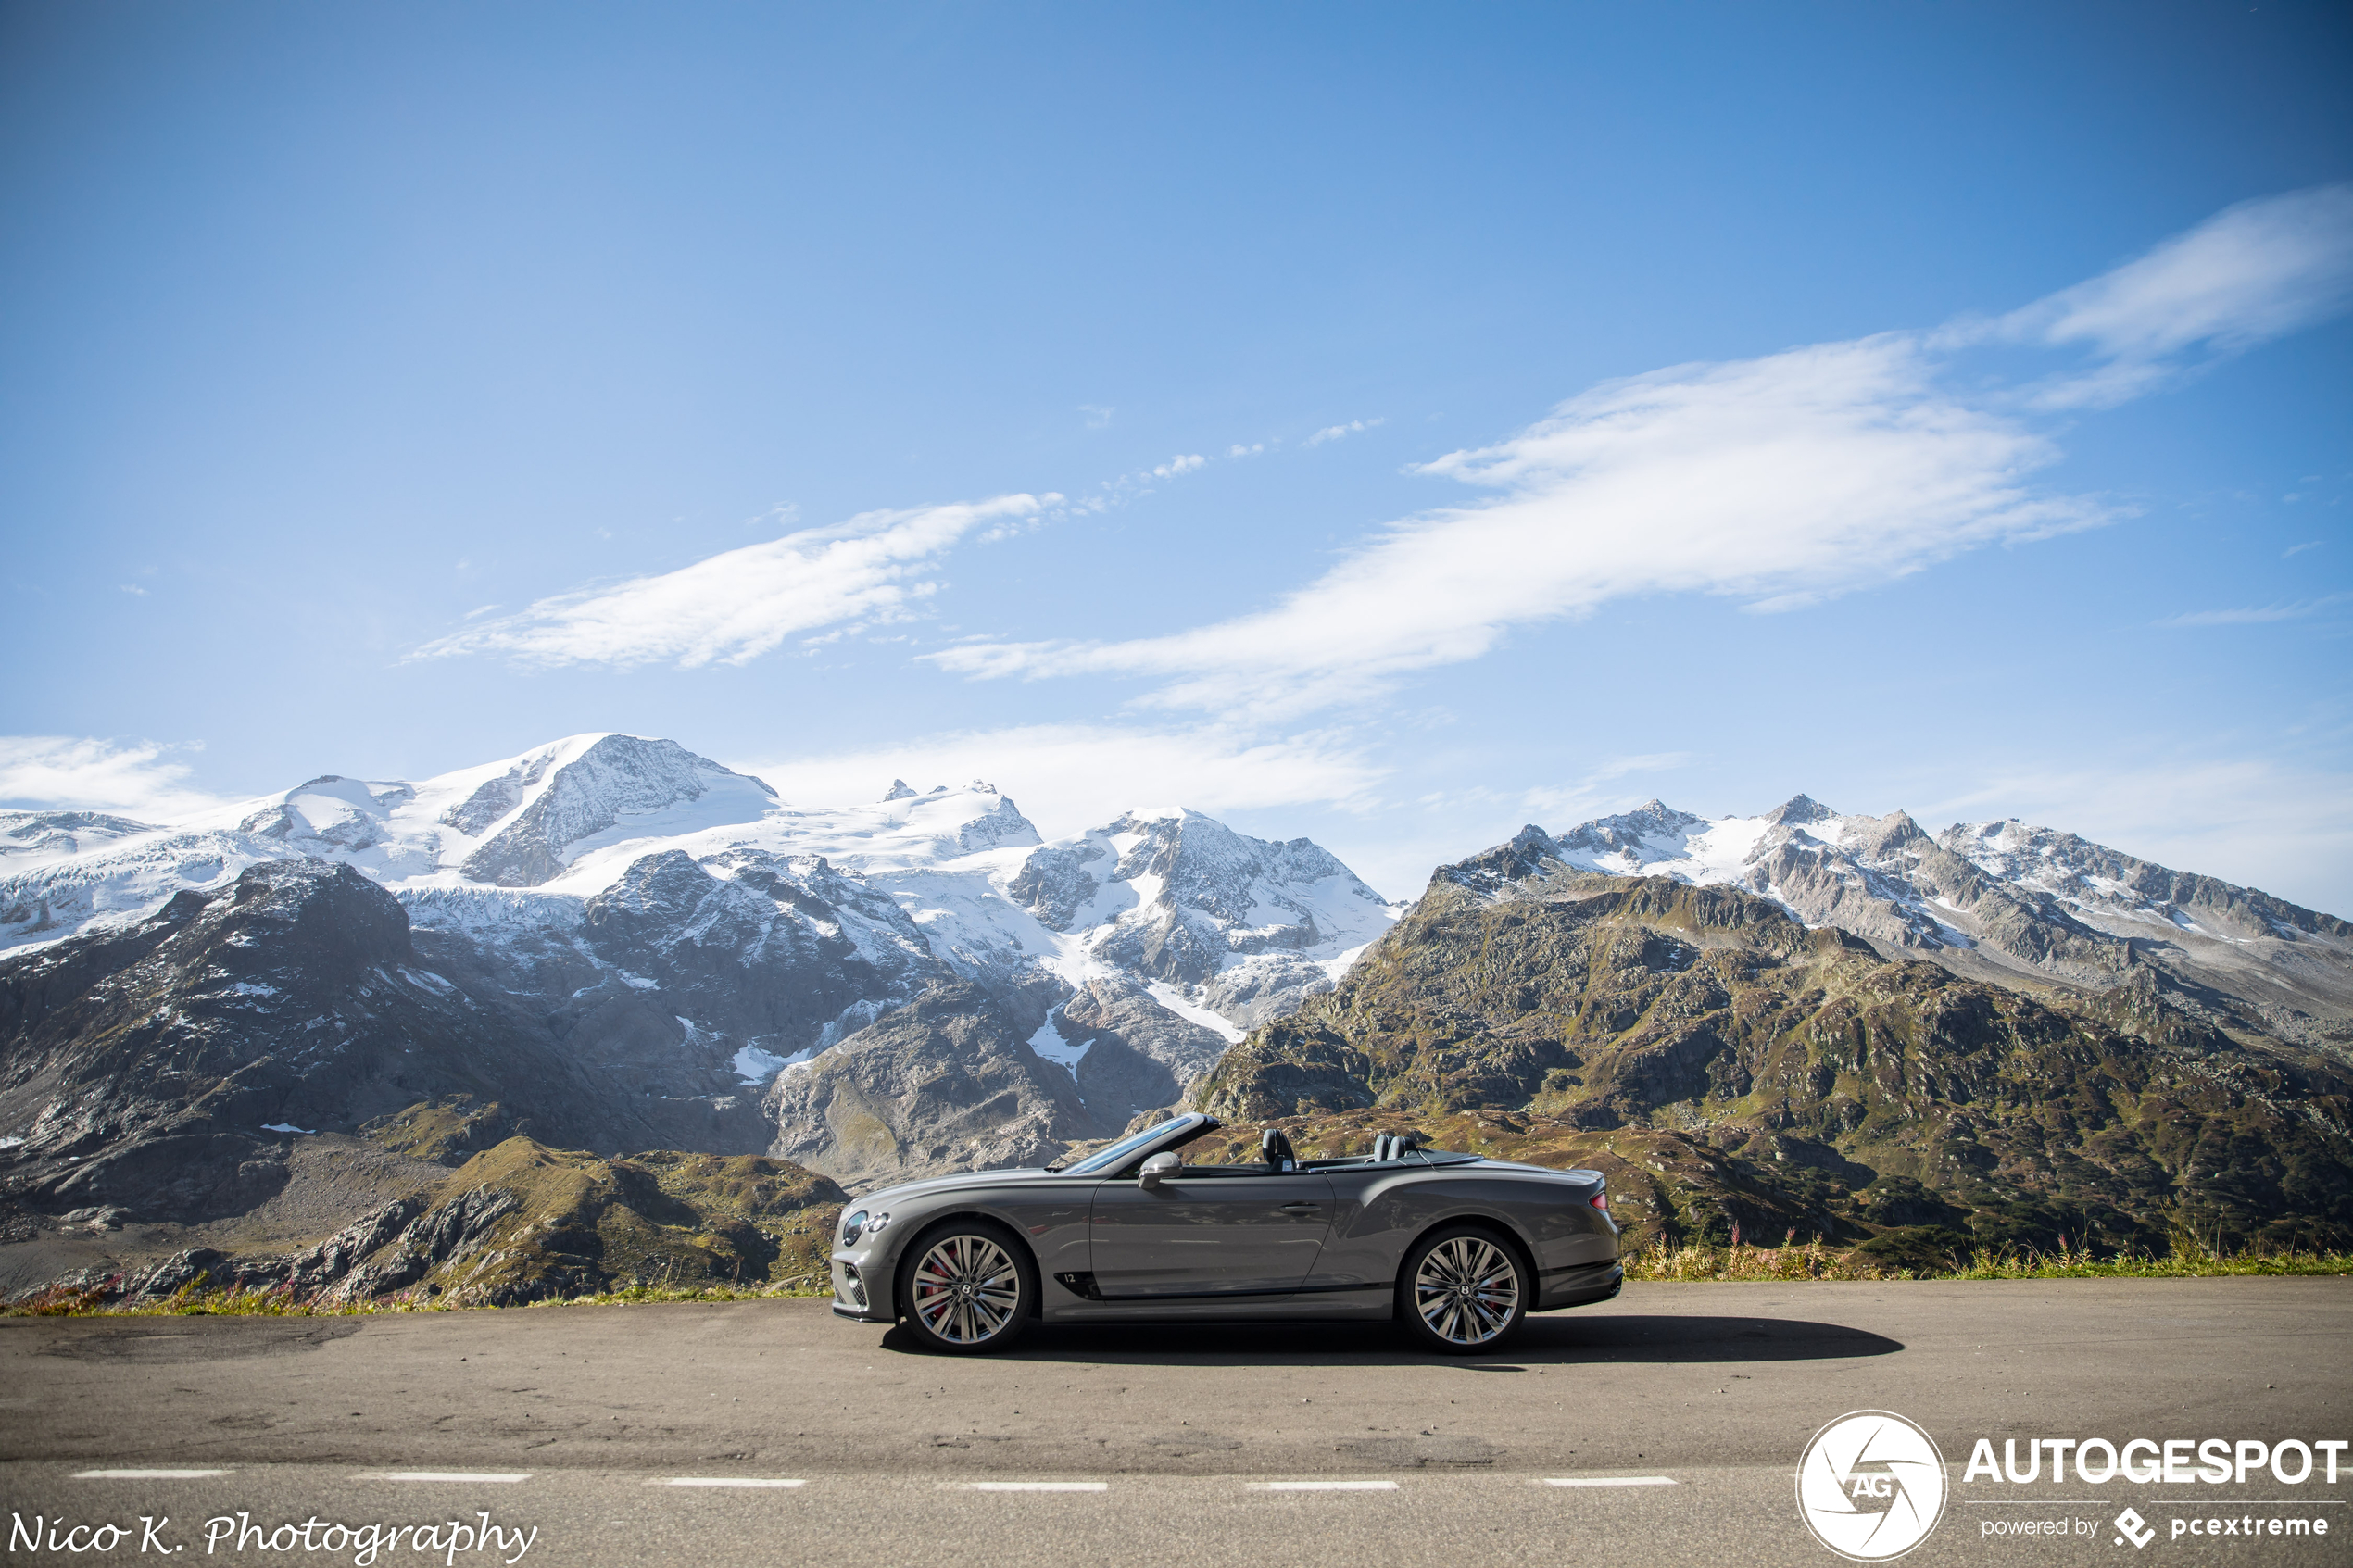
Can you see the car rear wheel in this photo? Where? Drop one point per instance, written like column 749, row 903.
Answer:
column 966, row 1288
column 1463, row 1291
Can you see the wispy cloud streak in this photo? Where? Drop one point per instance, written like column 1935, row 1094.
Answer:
column 1780, row 481
column 2252, row 272
column 78, row 772
column 2256, row 615
column 737, row 605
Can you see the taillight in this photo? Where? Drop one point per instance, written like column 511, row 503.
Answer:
column 1600, row 1201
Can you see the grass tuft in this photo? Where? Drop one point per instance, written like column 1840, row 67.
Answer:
column 1696, row 1262
column 1813, row 1259
column 195, row 1301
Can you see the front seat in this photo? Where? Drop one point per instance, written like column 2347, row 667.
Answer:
column 1275, row 1151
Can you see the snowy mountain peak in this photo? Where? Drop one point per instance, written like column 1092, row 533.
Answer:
column 546, row 802
column 675, row 932
column 1796, row 810
column 1652, row 832
column 1997, row 900
column 1228, row 930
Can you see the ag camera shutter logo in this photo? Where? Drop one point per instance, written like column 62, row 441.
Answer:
column 1871, row 1486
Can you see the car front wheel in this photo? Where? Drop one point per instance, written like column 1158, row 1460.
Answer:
column 966, row 1288
column 1463, row 1291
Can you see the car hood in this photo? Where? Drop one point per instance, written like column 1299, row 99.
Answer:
column 906, row 1192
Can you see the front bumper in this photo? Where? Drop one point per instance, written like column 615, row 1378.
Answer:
column 856, row 1297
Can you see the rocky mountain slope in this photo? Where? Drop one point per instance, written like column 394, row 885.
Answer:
column 1735, row 1067
column 2023, row 907
column 516, row 1223
column 1807, row 1021
column 629, row 947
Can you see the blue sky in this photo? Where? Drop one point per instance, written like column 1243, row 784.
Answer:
column 1388, row 424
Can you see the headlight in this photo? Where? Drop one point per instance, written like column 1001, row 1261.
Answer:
column 852, row 1228
column 874, row 1226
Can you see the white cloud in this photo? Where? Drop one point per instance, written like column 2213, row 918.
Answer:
column 133, row 589
column 2256, row 615
column 2250, row 273
column 736, row 606
column 73, row 772
column 1097, row 415
column 1069, row 777
column 2299, row 549
column 1781, row 481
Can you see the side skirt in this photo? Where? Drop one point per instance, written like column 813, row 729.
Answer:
column 1357, row 1302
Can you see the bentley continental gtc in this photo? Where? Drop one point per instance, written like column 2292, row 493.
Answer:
column 1457, row 1249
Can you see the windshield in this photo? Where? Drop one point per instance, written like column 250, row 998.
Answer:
column 1105, row 1160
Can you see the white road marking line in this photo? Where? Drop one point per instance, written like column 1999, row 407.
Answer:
column 727, row 1481
column 146, row 1475
column 1035, row 1485
column 1609, row 1480
column 460, row 1476
column 1322, row 1486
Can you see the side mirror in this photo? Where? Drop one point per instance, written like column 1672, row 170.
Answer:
column 1158, row 1169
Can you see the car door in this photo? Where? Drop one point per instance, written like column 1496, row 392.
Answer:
column 1196, row 1234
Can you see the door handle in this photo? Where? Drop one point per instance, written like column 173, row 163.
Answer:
column 1300, row 1208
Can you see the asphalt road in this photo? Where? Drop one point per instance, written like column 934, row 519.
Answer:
column 1293, row 1445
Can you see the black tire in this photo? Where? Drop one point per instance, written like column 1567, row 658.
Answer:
column 1463, row 1290
column 966, row 1287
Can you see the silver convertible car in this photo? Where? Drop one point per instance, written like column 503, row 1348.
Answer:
column 1457, row 1247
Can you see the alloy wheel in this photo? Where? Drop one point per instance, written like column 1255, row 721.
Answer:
column 966, row 1289
column 1466, row 1290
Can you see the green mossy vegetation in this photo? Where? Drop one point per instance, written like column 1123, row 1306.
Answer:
column 199, row 1301
column 1742, row 1079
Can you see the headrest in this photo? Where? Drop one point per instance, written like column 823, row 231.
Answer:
column 1275, row 1151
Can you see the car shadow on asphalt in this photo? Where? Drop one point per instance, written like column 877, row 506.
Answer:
column 1586, row 1339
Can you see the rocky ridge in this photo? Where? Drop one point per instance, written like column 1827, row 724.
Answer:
column 632, row 946
column 1740, row 1069
column 520, row 1222
column 2017, row 905
column 610, row 944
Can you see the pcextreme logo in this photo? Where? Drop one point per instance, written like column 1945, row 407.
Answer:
column 1871, row 1486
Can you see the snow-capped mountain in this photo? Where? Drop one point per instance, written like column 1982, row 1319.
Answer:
column 675, row 927
column 2002, row 900
column 1224, row 927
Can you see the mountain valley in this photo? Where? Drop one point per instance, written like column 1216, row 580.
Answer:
column 610, row 952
